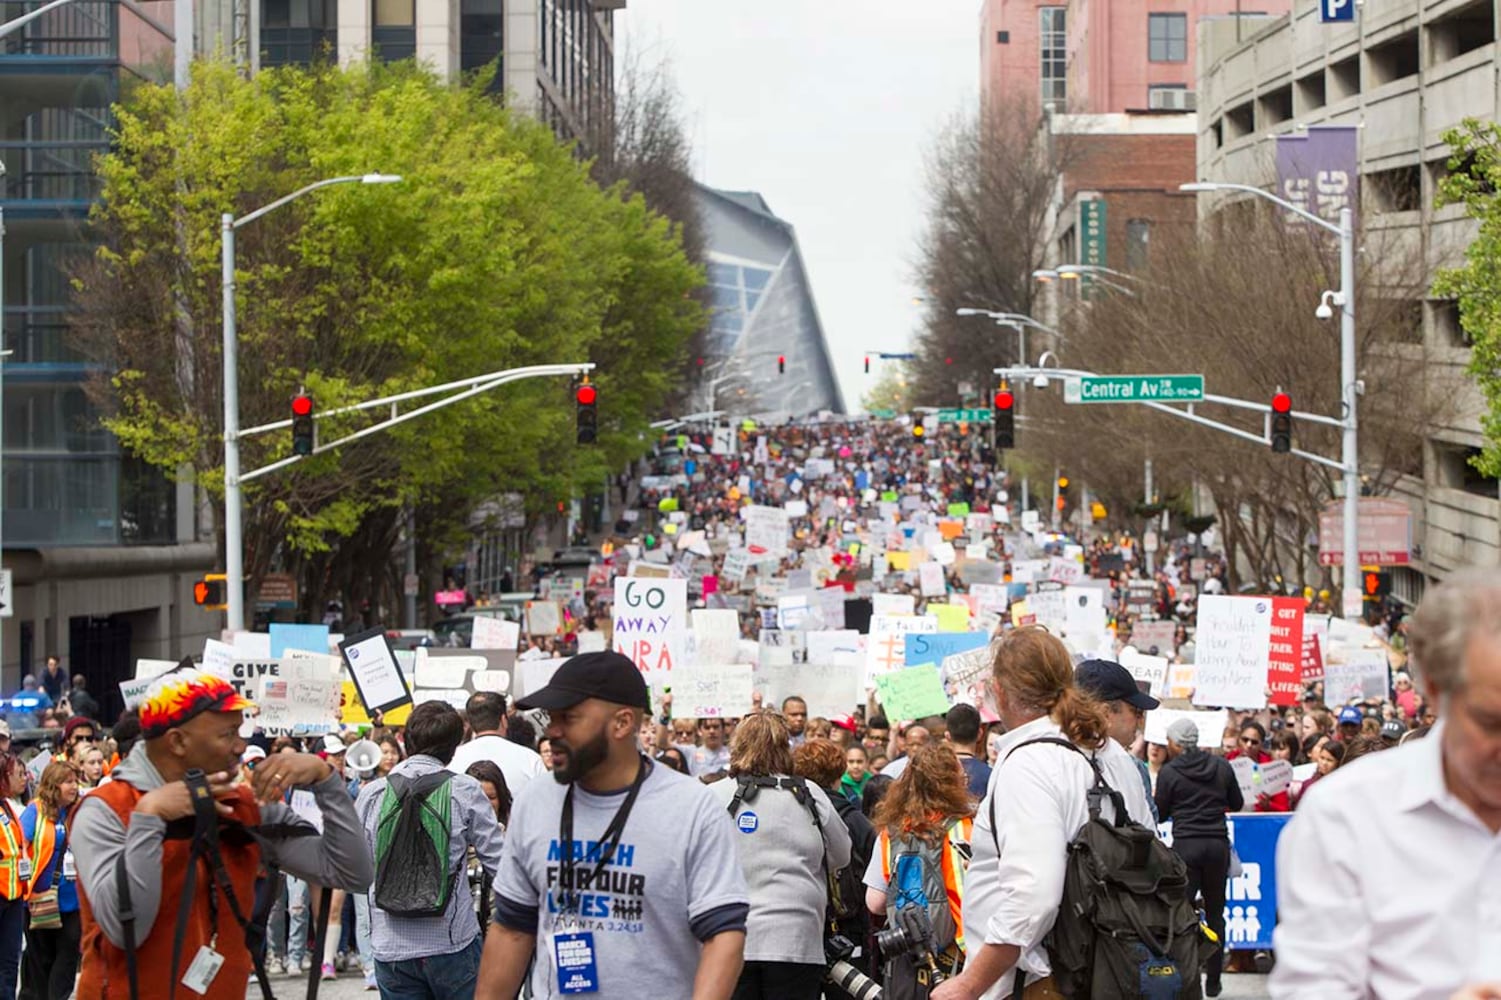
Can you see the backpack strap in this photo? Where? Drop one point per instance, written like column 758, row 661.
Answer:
column 1096, row 794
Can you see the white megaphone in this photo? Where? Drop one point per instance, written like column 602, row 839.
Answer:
column 362, row 755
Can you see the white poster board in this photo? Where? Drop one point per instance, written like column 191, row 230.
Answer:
column 1232, row 642
column 651, row 624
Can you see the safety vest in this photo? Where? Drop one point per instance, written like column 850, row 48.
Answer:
column 44, row 852
column 13, row 852
column 954, row 860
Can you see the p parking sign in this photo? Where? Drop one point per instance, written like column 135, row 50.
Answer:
column 1336, row 10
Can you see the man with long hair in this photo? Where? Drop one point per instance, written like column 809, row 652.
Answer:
column 1036, row 805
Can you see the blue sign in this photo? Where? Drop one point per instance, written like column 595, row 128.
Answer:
column 308, row 638
column 1251, row 896
column 1336, row 10
column 932, row 647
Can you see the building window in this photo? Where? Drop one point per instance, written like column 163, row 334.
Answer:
column 395, row 13
column 1054, row 48
column 480, row 26
column 1138, row 242
column 1167, row 37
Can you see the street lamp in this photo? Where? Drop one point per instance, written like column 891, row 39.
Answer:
column 234, row 543
column 1344, row 299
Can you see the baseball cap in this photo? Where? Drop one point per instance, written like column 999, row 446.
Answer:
column 1184, row 732
column 184, row 694
column 253, row 753
column 1109, row 681
column 4, row 729
column 1350, row 715
column 846, row 722
column 1391, row 729
column 606, row 675
column 332, row 744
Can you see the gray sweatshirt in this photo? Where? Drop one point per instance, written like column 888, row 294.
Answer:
column 338, row 858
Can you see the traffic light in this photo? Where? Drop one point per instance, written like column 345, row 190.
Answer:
column 1377, row 583
column 781, row 364
column 1282, row 423
column 588, row 419
column 1004, row 418
column 208, row 592
column 1062, row 492
column 867, row 364
column 302, row 424
column 918, row 430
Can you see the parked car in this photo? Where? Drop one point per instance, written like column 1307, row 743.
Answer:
column 411, row 638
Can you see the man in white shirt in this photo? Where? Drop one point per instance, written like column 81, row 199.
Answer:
column 486, row 713
column 1014, row 884
column 1406, row 843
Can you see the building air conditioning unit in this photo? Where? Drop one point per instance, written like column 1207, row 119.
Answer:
column 1172, row 99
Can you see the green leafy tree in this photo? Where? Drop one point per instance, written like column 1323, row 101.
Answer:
column 496, row 251
column 891, row 391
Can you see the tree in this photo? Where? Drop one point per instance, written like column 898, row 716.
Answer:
column 496, row 251
column 891, row 390
column 1473, row 181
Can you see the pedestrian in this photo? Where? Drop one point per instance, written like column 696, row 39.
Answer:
column 822, row 762
column 53, row 680
column 424, row 935
column 1194, row 791
column 790, row 841
column 1407, row 840
column 710, row 760
column 53, row 933
column 80, row 702
column 856, row 773
column 486, row 714
column 15, row 872
column 190, row 726
column 795, row 711
column 962, row 734
column 1252, row 738
column 624, row 871
column 1126, row 708
column 492, row 781
column 1014, row 884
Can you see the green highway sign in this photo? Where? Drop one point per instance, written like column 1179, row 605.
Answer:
column 964, row 416
column 1134, row 389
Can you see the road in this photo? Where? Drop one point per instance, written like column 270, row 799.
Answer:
column 352, row 987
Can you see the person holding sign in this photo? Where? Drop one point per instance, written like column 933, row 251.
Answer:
column 133, row 877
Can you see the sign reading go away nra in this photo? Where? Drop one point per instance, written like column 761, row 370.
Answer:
column 1134, row 389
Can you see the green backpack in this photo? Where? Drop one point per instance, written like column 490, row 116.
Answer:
column 412, row 873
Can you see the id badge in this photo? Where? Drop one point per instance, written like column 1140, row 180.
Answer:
column 205, row 966
column 70, row 868
column 574, row 956
column 23, row 869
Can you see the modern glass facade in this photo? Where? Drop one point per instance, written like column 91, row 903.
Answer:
column 65, row 479
column 298, row 32
column 1053, row 36
column 575, row 66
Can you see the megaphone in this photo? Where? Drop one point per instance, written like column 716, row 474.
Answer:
column 362, row 755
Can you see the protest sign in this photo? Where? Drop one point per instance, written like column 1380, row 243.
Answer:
column 1150, row 669
column 716, row 635
column 930, row 580
column 966, row 680
column 1284, row 670
column 765, row 530
column 951, row 617
column 543, row 618
column 922, row 648
column 651, row 624
column 1085, row 619
column 1364, row 674
column 794, row 612
column 285, row 636
column 712, row 690
column 372, row 667
column 886, row 648
column 892, row 604
column 1260, row 779
column 1047, row 605
column 245, row 674
column 452, row 675
column 990, row 597
column 1232, row 642
column 1210, row 725
column 1141, row 597
column 1180, row 680
column 1150, row 636
column 1315, row 646
column 493, row 632
column 912, row 693
column 736, row 565
column 828, row 606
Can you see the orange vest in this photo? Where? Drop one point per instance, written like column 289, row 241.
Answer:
column 13, row 851
column 103, row 974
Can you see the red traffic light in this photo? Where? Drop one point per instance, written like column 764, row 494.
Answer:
column 1004, row 400
column 781, row 364
column 1282, row 403
column 302, row 406
column 586, row 395
column 201, row 592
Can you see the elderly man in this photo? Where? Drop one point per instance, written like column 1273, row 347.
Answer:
column 1408, row 841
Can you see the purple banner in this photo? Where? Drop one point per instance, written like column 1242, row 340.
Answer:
column 1319, row 171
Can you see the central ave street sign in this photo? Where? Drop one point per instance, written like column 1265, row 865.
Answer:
column 1134, row 389
column 964, row 416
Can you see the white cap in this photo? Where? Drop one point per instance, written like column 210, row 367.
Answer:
column 332, row 744
column 252, row 753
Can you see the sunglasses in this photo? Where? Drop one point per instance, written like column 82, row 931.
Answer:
column 1250, row 741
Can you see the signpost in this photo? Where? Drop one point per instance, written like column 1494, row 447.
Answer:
column 965, row 416
column 1134, row 389
column 1384, row 532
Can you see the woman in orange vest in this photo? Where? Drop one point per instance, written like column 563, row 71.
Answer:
column 15, row 872
column 53, row 937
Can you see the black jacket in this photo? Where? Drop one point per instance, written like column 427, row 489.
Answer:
column 1195, row 790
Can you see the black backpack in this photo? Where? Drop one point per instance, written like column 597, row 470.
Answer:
column 1126, row 928
column 412, row 873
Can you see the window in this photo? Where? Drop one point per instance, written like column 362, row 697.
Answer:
column 395, row 13
column 1054, row 48
column 1167, row 37
column 480, row 30
column 1138, row 242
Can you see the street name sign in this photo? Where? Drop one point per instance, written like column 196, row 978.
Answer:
column 1134, row 389
column 964, row 416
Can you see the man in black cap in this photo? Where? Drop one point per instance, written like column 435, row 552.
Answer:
column 622, row 876
column 1127, row 705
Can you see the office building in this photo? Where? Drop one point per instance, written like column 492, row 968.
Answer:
column 1401, row 74
column 763, row 311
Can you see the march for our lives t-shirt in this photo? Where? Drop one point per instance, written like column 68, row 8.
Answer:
column 676, row 862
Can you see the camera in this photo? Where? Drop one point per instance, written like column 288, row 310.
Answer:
column 844, row 977
column 910, row 934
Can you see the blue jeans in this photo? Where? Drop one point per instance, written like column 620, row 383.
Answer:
column 436, row 977
column 12, row 931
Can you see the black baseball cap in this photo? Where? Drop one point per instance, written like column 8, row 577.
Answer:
column 605, row 675
column 1109, row 681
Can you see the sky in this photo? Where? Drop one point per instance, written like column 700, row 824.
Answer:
column 827, row 108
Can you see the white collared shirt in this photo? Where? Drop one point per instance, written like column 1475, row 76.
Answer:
column 1040, row 806
column 1388, row 886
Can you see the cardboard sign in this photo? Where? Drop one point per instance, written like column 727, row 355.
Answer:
column 765, row 530
column 543, row 618
column 966, row 680
column 651, row 624
column 912, row 693
column 1150, row 669
column 716, row 636
column 245, row 674
column 930, row 580
column 495, row 633
column 886, row 648
column 712, row 690
column 1232, row 644
column 920, row 648
column 892, row 604
column 313, row 638
column 1211, row 725
column 1363, row 675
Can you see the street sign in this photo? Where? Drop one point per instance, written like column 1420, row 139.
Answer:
column 1336, row 10
column 1134, row 389
column 1383, row 530
column 964, row 416
column 7, row 596
column 278, row 590
column 409, row 583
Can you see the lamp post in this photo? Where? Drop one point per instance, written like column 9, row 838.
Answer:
column 234, row 542
column 1348, row 388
